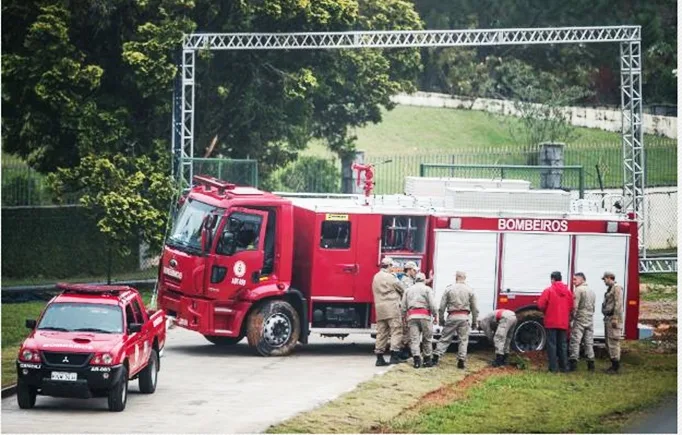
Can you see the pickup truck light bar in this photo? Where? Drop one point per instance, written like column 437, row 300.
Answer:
column 93, row 289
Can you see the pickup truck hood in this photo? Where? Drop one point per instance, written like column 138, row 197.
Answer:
column 57, row 341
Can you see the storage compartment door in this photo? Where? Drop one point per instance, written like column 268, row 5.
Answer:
column 595, row 254
column 529, row 259
column 472, row 253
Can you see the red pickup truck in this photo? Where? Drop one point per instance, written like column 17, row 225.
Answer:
column 89, row 341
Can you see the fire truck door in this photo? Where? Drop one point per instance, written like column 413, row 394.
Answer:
column 239, row 253
column 336, row 264
column 474, row 253
column 595, row 254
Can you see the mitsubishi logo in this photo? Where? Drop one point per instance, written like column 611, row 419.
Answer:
column 66, row 359
column 173, row 263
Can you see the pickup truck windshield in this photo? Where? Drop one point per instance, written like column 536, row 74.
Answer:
column 186, row 232
column 75, row 317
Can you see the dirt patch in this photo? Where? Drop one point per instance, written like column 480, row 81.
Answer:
column 653, row 312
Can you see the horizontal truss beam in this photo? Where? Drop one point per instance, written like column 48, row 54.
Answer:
column 409, row 38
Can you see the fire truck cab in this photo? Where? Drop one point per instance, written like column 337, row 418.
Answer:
column 240, row 262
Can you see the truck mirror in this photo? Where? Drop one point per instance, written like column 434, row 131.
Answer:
column 134, row 327
column 31, row 323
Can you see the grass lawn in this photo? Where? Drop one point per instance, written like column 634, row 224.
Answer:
column 150, row 273
column 14, row 332
column 413, row 135
column 510, row 402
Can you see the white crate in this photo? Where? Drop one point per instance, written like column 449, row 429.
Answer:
column 501, row 200
column 437, row 186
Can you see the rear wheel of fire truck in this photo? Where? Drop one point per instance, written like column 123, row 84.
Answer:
column 530, row 334
column 118, row 395
column 150, row 374
column 223, row 341
column 273, row 328
column 26, row 396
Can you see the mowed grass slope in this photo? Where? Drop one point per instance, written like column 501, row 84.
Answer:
column 407, row 130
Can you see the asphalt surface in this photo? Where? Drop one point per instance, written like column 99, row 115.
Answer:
column 209, row 389
column 662, row 419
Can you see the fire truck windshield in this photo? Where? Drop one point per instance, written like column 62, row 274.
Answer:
column 186, row 232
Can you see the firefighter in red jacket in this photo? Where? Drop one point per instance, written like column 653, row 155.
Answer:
column 556, row 302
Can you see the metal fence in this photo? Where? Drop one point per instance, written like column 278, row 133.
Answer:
column 242, row 172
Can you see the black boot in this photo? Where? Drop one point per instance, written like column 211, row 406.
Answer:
column 460, row 363
column 405, row 353
column 417, row 362
column 428, row 362
column 435, row 359
column 572, row 365
column 615, row 364
column 381, row 361
column 504, row 359
column 395, row 358
column 499, row 360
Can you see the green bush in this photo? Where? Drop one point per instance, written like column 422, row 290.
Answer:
column 309, row 174
column 23, row 186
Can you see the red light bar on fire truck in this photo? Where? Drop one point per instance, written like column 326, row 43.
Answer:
column 208, row 182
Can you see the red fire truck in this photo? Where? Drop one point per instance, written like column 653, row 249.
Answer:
column 240, row 262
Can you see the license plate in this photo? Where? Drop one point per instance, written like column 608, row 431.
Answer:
column 64, row 376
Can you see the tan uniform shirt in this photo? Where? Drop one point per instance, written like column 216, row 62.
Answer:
column 583, row 305
column 458, row 297
column 419, row 296
column 407, row 281
column 612, row 307
column 387, row 294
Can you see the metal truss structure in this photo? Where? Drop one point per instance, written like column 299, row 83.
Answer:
column 628, row 37
column 658, row 265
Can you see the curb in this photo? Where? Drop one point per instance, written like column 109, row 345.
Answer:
column 9, row 391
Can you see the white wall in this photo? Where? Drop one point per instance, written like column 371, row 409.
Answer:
column 601, row 118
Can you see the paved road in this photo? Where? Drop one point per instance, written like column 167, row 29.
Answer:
column 207, row 389
column 662, row 419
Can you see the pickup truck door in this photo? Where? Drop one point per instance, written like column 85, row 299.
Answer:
column 228, row 271
column 131, row 339
column 144, row 342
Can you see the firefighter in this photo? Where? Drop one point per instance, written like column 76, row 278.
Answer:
column 387, row 292
column 418, row 306
column 459, row 301
column 583, row 323
column 612, row 309
column 498, row 327
column 407, row 281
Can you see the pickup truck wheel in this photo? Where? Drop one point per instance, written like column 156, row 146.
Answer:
column 223, row 341
column 273, row 328
column 26, row 396
column 118, row 395
column 530, row 334
column 150, row 374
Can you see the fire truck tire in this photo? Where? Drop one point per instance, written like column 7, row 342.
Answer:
column 223, row 341
column 150, row 374
column 26, row 396
column 118, row 395
column 530, row 334
column 273, row 328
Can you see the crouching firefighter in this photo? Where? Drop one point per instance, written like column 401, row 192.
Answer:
column 498, row 327
column 418, row 307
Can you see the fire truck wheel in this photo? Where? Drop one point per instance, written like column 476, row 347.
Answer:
column 223, row 341
column 273, row 328
column 26, row 396
column 530, row 334
column 149, row 374
column 118, row 395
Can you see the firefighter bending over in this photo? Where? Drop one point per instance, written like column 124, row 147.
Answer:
column 582, row 317
column 612, row 309
column 387, row 292
column 459, row 301
column 419, row 306
column 498, row 327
